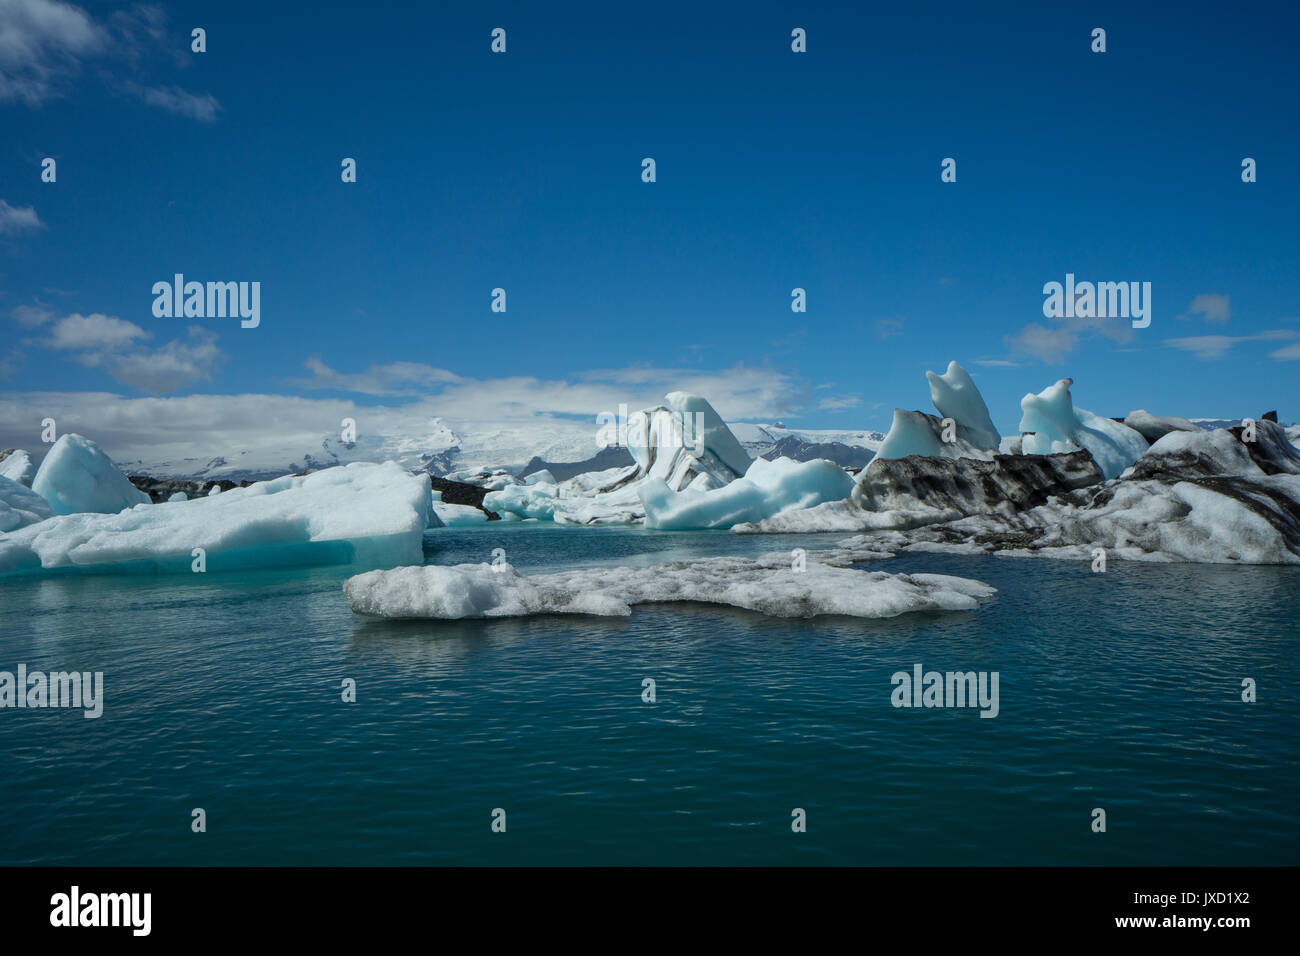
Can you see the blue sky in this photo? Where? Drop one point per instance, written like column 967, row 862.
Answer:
column 775, row 170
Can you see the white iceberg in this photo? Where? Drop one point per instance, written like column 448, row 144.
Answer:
column 681, row 444
column 956, row 398
column 768, row 488
column 17, row 466
column 20, row 506
column 77, row 477
column 685, row 438
column 768, row 586
column 1051, row 424
column 919, row 433
column 371, row 515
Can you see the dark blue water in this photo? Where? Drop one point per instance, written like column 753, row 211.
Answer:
column 1118, row 690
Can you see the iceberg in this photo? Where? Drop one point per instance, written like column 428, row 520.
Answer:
column 919, row 433
column 20, row 506
column 76, row 477
column 768, row 488
column 1051, row 423
column 679, row 445
column 1206, row 497
column 904, row 493
column 683, row 439
column 768, row 586
column 16, row 465
column 955, row 397
column 364, row 514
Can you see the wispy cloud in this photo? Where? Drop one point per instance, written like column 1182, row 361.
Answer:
column 1218, row 346
column 887, row 328
column 16, row 219
column 1210, row 306
column 93, row 332
column 167, row 368
column 395, row 378
column 44, row 45
column 119, row 348
column 202, row 107
column 742, row 392
column 1050, row 345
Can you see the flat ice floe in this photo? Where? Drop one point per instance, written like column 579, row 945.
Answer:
column 372, row 515
column 767, row 585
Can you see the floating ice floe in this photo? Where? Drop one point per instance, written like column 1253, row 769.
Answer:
column 20, row 506
column 768, row 488
column 1052, row 424
column 371, row 515
column 769, row 586
column 77, row 477
column 1204, row 496
column 16, row 465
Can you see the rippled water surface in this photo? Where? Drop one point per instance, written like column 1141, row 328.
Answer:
column 1119, row 690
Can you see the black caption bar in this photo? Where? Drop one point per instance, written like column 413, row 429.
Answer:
column 337, row 904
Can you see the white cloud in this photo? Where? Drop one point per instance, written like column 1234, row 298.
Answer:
column 395, row 378
column 531, row 413
column 15, row 219
column 45, row 43
column 97, row 331
column 202, row 107
column 118, row 348
column 887, row 328
column 32, row 315
column 1218, row 346
column 1049, row 345
column 839, row 402
column 1210, row 306
column 175, row 365
column 1287, row 352
column 41, row 45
